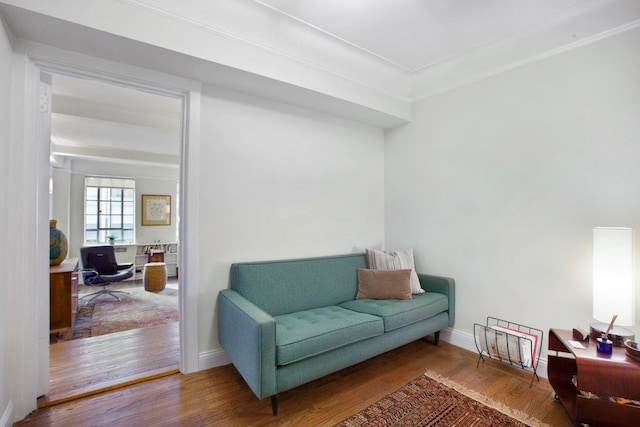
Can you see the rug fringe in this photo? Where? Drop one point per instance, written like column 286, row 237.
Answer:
column 505, row 409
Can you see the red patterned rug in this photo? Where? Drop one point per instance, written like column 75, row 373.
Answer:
column 137, row 309
column 426, row 401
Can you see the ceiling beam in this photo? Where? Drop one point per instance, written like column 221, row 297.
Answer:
column 113, row 155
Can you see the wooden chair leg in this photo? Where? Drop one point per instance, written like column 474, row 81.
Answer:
column 274, row 404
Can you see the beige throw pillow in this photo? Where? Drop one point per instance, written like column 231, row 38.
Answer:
column 381, row 284
column 395, row 260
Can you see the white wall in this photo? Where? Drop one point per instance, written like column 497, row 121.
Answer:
column 499, row 183
column 6, row 259
column 280, row 182
column 149, row 179
column 59, row 201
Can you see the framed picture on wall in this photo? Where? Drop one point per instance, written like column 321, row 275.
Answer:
column 156, row 209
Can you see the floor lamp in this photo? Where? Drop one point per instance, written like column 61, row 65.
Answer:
column 613, row 283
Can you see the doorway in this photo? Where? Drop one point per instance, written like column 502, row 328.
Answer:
column 114, row 131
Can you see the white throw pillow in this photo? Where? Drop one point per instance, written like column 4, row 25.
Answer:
column 395, row 260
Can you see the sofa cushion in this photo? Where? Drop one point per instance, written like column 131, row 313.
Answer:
column 395, row 260
column 281, row 287
column 381, row 284
column 311, row 332
column 399, row 313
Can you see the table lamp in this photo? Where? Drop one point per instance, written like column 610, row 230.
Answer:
column 613, row 284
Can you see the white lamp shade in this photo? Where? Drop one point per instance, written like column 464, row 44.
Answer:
column 613, row 284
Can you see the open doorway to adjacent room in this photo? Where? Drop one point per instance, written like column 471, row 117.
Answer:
column 114, row 150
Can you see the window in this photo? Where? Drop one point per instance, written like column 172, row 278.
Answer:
column 109, row 209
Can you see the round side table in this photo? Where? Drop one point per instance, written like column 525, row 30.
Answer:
column 154, row 276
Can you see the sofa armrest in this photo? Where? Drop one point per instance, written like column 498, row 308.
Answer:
column 248, row 335
column 442, row 285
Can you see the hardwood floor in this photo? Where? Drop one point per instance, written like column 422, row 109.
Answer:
column 220, row 397
column 90, row 365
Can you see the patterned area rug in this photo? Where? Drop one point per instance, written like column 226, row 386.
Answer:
column 428, row 401
column 137, row 309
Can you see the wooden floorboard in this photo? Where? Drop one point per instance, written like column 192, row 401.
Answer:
column 88, row 366
column 220, row 397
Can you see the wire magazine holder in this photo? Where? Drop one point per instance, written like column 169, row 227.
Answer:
column 509, row 342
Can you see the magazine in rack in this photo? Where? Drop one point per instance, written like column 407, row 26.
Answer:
column 507, row 344
column 528, row 345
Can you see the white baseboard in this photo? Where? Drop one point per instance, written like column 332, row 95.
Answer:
column 212, row 359
column 7, row 416
column 215, row 358
column 466, row 341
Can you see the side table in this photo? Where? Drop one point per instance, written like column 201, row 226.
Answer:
column 154, row 276
column 573, row 370
column 63, row 296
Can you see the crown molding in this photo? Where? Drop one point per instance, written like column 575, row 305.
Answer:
column 568, row 31
column 293, row 62
column 246, row 22
column 129, row 32
column 7, row 30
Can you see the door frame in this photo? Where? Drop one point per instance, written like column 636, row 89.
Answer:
column 41, row 58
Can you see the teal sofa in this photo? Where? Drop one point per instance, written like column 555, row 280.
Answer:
column 285, row 323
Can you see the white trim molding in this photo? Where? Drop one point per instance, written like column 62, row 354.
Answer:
column 133, row 32
column 7, row 416
column 212, row 359
column 565, row 32
column 239, row 46
column 45, row 58
column 466, row 341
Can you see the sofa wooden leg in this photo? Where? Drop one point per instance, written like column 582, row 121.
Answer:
column 436, row 338
column 274, row 405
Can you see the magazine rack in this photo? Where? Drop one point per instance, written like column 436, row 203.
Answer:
column 509, row 342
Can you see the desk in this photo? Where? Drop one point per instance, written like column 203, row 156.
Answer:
column 615, row 375
column 63, row 296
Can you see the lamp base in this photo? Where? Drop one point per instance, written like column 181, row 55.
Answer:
column 617, row 334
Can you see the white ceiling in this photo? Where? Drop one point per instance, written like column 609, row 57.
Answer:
column 96, row 120
column 375, row 54
column 414, row 34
